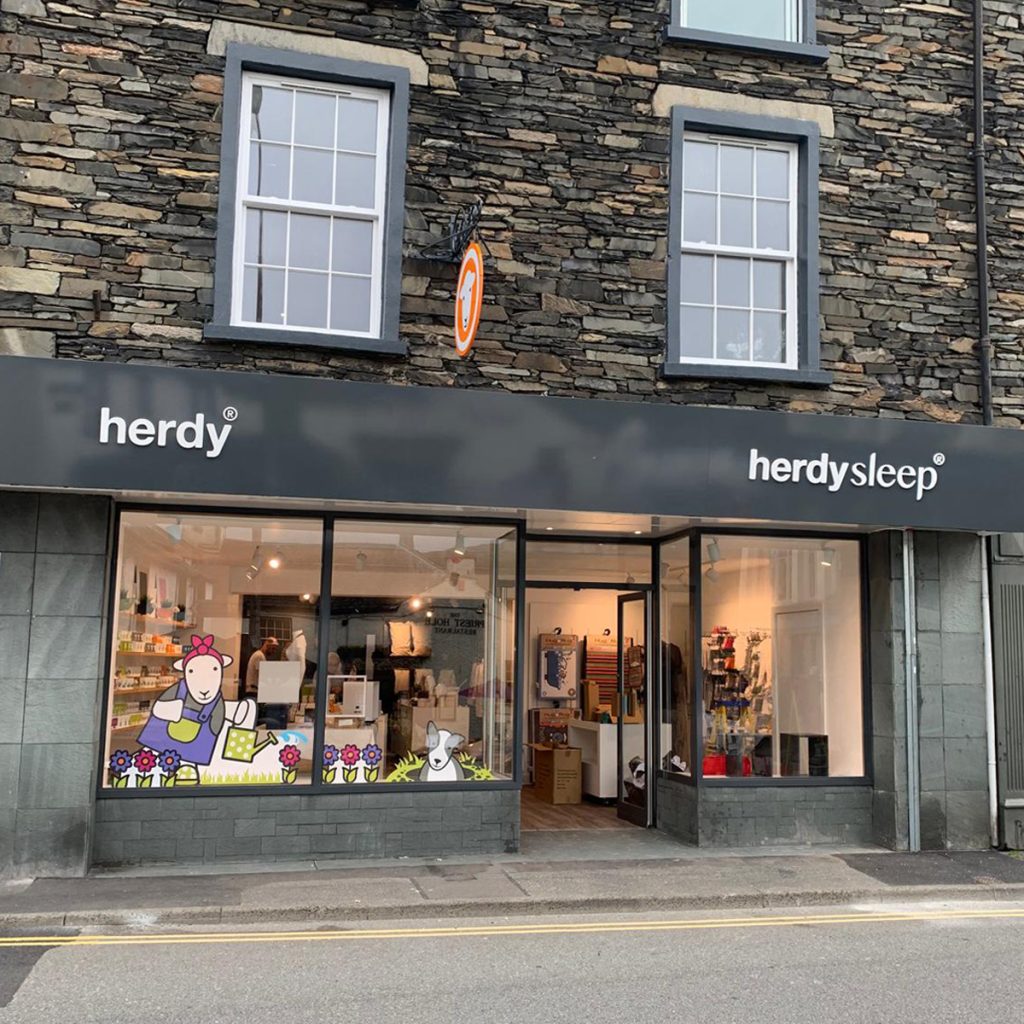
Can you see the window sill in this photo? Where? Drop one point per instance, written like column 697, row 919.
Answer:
column 783, row 782
column 304, row 339
column 715, row 371
column 810, row 53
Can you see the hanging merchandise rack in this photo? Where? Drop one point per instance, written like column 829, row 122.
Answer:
column 738, row 701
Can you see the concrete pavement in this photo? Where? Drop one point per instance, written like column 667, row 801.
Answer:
column 553, row 875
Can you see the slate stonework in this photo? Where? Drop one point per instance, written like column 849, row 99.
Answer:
column 109, row 147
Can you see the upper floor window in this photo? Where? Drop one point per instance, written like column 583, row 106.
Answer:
column 310, row 208
column 743, row 283
column 783, row 28
column 767, row 19
column 738, row 271
column 309, row 232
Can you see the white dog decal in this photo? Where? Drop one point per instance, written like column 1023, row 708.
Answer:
column 442, row 765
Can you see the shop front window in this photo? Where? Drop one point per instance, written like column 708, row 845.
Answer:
column 213, row 668
column 421, row 661
column 676, row 658
column 781, row 657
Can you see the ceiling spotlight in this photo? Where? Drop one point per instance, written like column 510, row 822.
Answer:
column 711, row 574
column 430, row 615
column 460, row 544
column 255, row 564
column 549, row 528
column 828, row 556
column 416, row 604
column 307, row 598
column 360, row 561
column 638, row 533
column 714, row 554
column 276, row 560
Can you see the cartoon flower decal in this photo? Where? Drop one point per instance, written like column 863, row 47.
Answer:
column 330, row 755
column 350, row 755
column 120, row 762
column 144, row 760
column 169, row 762
column 290, row 756
column 372, row 755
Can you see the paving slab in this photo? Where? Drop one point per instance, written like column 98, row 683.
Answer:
column 543, row 880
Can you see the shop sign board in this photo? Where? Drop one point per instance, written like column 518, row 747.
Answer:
column 141, row 429
column 469, row 299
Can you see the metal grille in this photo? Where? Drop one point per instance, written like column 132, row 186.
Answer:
column 1009, row 643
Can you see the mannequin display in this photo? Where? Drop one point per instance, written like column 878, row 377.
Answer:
column 296, row 650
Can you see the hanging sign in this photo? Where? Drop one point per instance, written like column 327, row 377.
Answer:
column 469, row 299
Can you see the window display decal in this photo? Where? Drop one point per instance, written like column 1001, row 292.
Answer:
column 442, row 763
column 194, row 736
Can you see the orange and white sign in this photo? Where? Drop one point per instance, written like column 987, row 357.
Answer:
column 469, row 299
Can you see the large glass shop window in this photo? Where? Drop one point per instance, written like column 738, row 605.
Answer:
column 214, row 655
column 421, row 668
column 781, row 657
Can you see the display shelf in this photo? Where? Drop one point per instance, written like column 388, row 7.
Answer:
column 142, row 689
column 148, row 654
column 156, row 618
column 128, row 728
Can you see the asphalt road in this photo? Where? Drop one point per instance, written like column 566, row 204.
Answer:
column 766, row 968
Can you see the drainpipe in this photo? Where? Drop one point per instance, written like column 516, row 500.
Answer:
column 990, row 695
column 910, row 675
column 981, row 207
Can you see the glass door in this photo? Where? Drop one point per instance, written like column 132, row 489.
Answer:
column 634, row 798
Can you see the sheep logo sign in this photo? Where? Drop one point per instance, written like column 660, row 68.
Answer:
column 469, row 299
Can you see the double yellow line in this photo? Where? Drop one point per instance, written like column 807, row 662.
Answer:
column 489, row 931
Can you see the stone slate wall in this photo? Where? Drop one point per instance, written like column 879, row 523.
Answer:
column 951, row 698
column 765, row 815
column 52, row 627
column 888, row 691
column 282, row 828
column 785, row 815
column 109, row 140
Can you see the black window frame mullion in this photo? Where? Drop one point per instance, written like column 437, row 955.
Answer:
column 323, row 649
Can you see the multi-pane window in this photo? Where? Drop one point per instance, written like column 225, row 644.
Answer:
column 310, row 206
column 738, row 271
column 765, row 19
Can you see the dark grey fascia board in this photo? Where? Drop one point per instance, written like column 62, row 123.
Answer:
column 759, row 374
column 241, row 57
column 806, row 135
column 807, row 49
column 304, row 339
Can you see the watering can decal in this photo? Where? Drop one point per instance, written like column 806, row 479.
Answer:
column 241, row 744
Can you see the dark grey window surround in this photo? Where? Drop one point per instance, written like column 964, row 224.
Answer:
column 805, row 135
column 288, row 63
column 806, row 49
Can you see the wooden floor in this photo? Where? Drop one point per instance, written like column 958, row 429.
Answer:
column 540, row 816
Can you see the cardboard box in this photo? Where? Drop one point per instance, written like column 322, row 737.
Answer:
column 558, row 774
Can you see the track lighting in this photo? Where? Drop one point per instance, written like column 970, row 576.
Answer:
column 828, row 556
column 460, row 544
column 276, row 560
column 714, row 554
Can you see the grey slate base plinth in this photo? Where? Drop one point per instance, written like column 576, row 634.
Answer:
column 369, row 823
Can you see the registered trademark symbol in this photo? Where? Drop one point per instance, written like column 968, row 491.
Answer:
column 939, row 459
column 231, row 414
